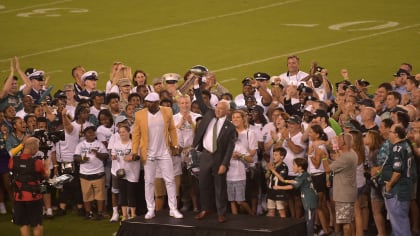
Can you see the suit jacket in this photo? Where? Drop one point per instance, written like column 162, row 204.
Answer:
column 226, row 138
column 140, row 137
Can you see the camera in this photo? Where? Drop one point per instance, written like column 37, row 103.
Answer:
column 43, row 187
column 45, row 138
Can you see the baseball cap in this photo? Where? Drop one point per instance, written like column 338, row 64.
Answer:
column 120, row 119
column 152, row 97
column 294, row 119
column 124, row 82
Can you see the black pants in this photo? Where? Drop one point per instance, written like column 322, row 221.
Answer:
column 209, row 180
column 127, row 193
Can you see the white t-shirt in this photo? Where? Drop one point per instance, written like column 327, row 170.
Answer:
column 115, row 138
column 104, row 134
column 290, row 156
column 65, row 149
column 246, row 141
column 329, row 132
column 132, row 168
column 108, row 87
column 240, row 102
column 266, row 131
column 157, row 148
column 322, row 93
column 186, row 131
column 71, row 110
column 94, row 111
column 21, row 114
column 287, row 79
column 94, row 165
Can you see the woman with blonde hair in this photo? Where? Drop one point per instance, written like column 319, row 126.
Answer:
column 280, row 124
column 243, row 157
column 118, row 71
column 115, row 67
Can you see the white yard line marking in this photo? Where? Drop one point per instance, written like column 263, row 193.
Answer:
column 315, row 48
column 152, row 30
column 302, row 25
column 33, row 6
column 53, row 71
column 228, row 80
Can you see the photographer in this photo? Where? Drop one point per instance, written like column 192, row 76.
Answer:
column 27, row 175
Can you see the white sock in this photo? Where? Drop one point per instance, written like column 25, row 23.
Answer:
column 115, row 209
column 49, row 211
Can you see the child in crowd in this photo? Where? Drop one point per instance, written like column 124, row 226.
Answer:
column 277, row 198
column 91, row 153
column 303, row 182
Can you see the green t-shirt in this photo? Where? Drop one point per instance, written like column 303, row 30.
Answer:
column 401, row 161
column 15, row 100
column 308, row 193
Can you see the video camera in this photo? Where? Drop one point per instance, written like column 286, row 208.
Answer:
column 45, row 138
column 54, row 137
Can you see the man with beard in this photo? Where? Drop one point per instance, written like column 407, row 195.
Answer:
column 155, row 139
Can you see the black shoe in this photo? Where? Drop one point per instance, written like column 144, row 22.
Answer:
column 61, row 212
column 89, row 216
column 99, row 216
column 81, row 212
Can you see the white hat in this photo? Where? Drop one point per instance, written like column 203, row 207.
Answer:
column 152, row 97
column 38, row 75
column 120, row 119
column 171, row 76
column 90, row 75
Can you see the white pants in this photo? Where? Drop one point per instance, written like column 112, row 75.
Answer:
column 167, row 170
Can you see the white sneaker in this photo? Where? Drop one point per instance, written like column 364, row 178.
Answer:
column 176, row 214
column 149, row 215
column 115, row 217
column 3, row 210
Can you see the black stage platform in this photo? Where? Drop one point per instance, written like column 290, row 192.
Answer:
column 164, row 225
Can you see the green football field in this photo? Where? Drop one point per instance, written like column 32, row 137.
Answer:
column 233, row 38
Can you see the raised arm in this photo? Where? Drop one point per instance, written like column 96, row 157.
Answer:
column 68, row 127
column 9, row 81
column 25, row 78
column 199, row 96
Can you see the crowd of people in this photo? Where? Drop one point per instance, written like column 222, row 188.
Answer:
column 293, row 145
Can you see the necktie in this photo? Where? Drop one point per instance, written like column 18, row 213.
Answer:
column 215, row 135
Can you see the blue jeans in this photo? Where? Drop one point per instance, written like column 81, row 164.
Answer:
column 310, row 220
column 398, row 213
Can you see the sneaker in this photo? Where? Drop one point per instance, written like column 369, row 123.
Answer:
column 81, row 212
column 89, row 216
column 115, row 217
column 61, row 212
column 150, row 215
column 99, row 216
column 176, row 214
column 185, row 208
column 3, row 210
column 49, row 214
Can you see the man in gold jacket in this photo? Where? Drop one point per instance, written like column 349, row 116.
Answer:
column 154, row 138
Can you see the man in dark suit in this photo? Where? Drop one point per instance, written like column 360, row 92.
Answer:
column 215, row 138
